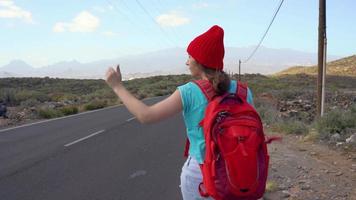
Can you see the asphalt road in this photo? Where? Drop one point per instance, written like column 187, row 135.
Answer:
column 100, row 155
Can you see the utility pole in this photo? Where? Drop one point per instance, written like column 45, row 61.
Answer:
column 239, row 70
column 321, row 58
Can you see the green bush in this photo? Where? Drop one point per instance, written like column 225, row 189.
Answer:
column 292, row 127
column 288, row 94
column 95, row 104
column 29, row 103
column 336, row 121
column 141, row 95
column 8, row 96
column 69, row 110
column 353, row 110
column 49, row 113
column 267, row 111
column 102, row 94
column 27, row 94
column 159, row 92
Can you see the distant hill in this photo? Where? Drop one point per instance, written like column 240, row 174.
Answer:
column 163, row 62
column 342, row 67
column 15, row 68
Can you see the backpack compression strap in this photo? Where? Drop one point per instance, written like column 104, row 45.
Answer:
column 241, row 91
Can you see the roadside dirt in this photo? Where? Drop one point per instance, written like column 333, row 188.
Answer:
column 303, row 170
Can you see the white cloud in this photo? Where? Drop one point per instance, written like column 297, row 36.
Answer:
column 172, row 19
column 8, row 9
column 201, row 5
column 109, row 33
column 59, row 27
column 83, row 22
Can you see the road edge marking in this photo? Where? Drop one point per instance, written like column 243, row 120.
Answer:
column 132, row 118
column 84, row 138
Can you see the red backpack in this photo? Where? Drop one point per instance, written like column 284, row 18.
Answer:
column 236, row 157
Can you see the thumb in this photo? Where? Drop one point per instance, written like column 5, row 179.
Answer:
column 118, row 69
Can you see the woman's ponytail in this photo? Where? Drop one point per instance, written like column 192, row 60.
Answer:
column 219, row 79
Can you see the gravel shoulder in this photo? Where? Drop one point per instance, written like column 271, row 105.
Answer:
column 304, row 170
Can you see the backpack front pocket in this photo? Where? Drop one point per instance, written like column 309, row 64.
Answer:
column 239, row 146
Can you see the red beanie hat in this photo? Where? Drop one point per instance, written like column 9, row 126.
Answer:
column 208, row 48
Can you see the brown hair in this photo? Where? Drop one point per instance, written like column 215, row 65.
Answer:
column 219, row 79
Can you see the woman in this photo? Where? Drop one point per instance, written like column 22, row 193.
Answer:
column 206, row 53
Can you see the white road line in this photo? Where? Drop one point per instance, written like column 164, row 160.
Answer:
column 131, row 119
column 81, row 139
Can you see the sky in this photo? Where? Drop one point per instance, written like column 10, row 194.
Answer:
column 42, row 32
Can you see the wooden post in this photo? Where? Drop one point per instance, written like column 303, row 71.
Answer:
column 239, row 70
column 321, row 57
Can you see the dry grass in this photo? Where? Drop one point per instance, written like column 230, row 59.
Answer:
column 342, row 67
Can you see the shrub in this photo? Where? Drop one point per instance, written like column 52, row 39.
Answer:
column 336, row 121
column 25, row 95
column 49, row 113
column 292, row 127
column 330, row 123
column 159, row 92
column 29, row 103
column 268, row 112
column 69, row 110
column 271, row 186
column 288, row 94
column 95, row 104
column 56, row 96
column 8, row 96
column 102, row 94
column 141, row 95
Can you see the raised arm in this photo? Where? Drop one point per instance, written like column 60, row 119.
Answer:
column 145, row 114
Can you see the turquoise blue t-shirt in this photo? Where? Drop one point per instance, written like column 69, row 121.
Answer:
column 194, row 105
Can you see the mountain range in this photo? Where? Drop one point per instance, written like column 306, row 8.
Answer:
column 163, row 62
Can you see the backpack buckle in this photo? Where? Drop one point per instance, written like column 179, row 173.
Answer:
column 217, row 157
column 241, row 138
column 222, row 115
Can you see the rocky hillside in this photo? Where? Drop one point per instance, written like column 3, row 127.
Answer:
column 342, row 67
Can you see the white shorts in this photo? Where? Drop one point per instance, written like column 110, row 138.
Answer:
column 190, row 179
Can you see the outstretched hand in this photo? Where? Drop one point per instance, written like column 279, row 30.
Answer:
column 113, row 77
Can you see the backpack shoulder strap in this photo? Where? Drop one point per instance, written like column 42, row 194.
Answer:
column 241, row 90
column 206, row 87
column 208, row 91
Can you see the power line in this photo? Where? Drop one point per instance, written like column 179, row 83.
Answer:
column 118, row 10
column 264, row 35
column 133, row 23
column 124, row 3
column 157, row 7
column 154, row 21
